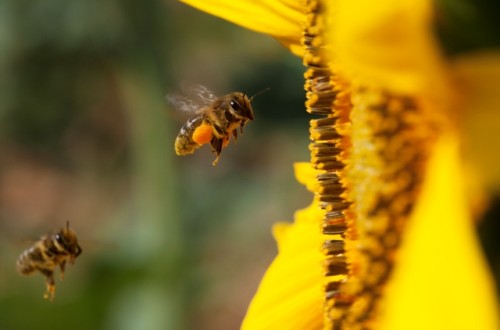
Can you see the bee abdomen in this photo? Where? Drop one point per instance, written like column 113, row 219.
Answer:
column 24, row 264
column 184, row 145
column 35, row 258
column 192, row 135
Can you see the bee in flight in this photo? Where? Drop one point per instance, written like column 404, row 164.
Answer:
column 214, row 120
column 46, row 254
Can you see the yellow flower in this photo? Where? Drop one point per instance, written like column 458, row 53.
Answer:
column 398, row 244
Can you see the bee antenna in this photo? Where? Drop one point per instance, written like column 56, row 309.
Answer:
column 67, row 225
column 260, row 92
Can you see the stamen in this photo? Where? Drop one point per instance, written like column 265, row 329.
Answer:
column 327, row 98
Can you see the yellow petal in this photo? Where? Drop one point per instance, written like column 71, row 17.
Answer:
column 389, row 43
column 478, row 76
column 290, row 294
column 441, row 279
column 279, row 19
column 306, row 175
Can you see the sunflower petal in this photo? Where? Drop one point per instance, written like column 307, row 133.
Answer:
column 441, row 280
column 306, row 174
column 279, row 19
column 390, row 44
column 290, row 295
column 478, row 75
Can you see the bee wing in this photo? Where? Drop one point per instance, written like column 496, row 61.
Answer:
column 182, row 102
column 26, row 242
column 203, row 94
column 191, row 99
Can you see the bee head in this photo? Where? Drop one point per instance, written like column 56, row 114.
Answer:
column 67, row 240
column 240, row 107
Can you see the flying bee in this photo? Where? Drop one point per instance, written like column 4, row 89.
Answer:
column 214, row 121
column 46, row 254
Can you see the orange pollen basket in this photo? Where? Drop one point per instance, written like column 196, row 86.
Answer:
column 202, row 134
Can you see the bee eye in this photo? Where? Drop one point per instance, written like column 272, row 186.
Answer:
column 235, row 105
column 59, row 239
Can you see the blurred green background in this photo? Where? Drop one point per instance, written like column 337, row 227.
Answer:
column 86, row 136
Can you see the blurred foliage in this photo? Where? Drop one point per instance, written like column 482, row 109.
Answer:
column 468, row 25
column 86, row 136
column 488, row 233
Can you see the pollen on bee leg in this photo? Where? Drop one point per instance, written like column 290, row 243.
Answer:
column 50, row 290
column 216, row 160
column 62, row 267
column 202, row 134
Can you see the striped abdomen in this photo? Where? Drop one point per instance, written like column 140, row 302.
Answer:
column 40, row 256
column 193, row 134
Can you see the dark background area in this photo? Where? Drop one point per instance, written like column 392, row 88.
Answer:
column 87, row 136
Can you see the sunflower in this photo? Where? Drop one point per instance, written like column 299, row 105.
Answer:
column 388, row 241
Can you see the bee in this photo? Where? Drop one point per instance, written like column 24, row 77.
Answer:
column 46, row 254
column 214, row 121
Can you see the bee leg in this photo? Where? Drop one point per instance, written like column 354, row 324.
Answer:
column 216, row 144
column 62, row 266
column 235, row 135
column 50, row 286
column 218, row 131
column 242, row 123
